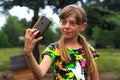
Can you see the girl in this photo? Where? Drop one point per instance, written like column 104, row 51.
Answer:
column 72, row 57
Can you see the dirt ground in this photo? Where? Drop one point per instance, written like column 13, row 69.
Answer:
column 7, row 75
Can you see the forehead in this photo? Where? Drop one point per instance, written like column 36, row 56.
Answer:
column 70, row 17
column 66, row 13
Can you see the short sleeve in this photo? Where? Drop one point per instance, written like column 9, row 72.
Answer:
column 51, row 51
column 94, row 52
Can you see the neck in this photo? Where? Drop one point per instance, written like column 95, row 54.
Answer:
column 72, row 43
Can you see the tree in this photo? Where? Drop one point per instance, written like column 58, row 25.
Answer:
column 13, row 29
column 59, row 4
column 32, row 4
column 98, row 8
column 35, row 5
column 25, row 23
column 3, row 39
column 58, row 33
column 49, row 37
column 112, row 4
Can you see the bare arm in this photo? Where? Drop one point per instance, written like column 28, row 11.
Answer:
column 39, row 70
column 95, row 75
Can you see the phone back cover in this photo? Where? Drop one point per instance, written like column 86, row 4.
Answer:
column 42, row 24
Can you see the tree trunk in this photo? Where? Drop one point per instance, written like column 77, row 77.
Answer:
column 36, row 52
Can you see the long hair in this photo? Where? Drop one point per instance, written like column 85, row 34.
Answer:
column 80, row 16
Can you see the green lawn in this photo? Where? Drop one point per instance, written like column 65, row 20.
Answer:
column 109, row 60
column 5, row 55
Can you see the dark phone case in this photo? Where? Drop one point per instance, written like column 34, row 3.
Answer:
column 42, row 24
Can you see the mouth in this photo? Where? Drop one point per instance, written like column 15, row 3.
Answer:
column 66, row 32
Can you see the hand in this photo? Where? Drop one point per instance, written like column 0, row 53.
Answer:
column 31, row 40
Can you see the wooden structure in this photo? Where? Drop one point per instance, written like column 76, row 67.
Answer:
column 20, row 68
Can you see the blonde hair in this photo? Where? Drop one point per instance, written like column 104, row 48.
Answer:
column 80, row 16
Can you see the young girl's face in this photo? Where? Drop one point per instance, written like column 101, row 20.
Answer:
column 69, row 27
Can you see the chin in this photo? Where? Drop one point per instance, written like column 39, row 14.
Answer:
column 67, row 37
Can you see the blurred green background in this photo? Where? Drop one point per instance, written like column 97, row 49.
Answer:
column 102, row 32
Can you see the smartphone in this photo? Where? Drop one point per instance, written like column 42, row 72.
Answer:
column 42, row 24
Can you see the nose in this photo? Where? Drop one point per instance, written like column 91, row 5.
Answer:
column 67, row 25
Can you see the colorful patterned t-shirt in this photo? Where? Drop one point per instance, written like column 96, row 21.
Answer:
column 75, row 70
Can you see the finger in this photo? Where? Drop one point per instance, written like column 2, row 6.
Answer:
column 28, row 34
column 31, row 31
column 27, row 31
column 41, row 37
column 35, row 34
column 38, row 39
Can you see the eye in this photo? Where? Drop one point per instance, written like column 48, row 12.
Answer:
column 63, row 22
column 73, row 23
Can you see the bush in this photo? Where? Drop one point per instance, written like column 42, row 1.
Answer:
column 3, row 40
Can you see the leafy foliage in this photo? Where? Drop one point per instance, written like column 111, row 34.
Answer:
column 13, row 29
column 112, row 4
column 3, row 39
column 102, row 25
column 103, row 19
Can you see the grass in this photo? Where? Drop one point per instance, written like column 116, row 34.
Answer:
column 109, row 60
column 5, row 54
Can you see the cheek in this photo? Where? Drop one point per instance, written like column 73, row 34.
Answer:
column 76, row 31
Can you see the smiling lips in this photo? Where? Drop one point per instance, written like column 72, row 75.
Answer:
column 66, row 32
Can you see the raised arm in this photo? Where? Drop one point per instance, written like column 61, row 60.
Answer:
column 39, row 70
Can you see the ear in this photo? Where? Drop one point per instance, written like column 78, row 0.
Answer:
column 83, row 26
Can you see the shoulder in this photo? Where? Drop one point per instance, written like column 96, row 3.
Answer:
column 91, row 47
column 94, row 52
column 53, row 45
column 50, row 51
